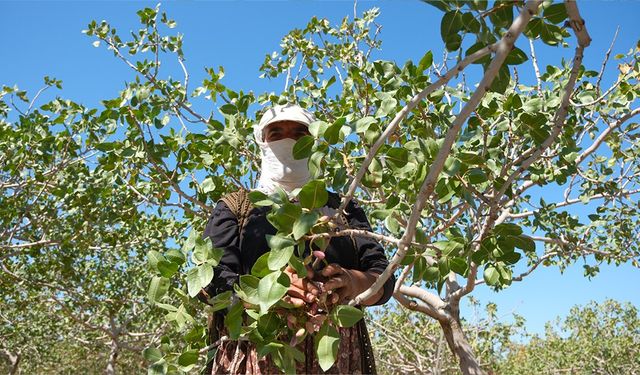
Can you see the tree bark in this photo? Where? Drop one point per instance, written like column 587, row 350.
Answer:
column 113, row 357
column 14, row 359
column 460, row 347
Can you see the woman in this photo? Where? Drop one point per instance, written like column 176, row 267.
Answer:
column 354, row 263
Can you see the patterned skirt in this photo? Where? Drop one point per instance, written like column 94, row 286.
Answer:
column 241, row 357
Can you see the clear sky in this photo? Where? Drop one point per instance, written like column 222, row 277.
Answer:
column 39, row 38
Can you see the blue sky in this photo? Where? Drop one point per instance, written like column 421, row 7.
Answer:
column 44, row 38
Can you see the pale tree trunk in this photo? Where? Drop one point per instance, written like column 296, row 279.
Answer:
column 457, row 340
column 113, row 357
column 14, row 360
column 460, row 347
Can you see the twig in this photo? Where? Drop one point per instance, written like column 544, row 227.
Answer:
column 601, row 138
column 36, row 97
column 403, row 276
column 606, row 59
column 536, row 69
column 568, row 202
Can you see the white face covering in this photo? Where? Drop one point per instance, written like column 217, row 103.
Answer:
column 279, row 168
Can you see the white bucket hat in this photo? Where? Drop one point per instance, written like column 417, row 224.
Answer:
column 287, row 112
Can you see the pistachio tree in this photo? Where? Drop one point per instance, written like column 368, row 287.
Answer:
column 450, row 171
column 73, row 243
column 590, row 339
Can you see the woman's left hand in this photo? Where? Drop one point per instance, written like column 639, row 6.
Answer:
column 348, row 283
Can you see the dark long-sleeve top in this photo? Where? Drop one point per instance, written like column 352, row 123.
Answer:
column 241, row 250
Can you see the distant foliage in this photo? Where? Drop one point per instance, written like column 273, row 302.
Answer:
column 599, row 338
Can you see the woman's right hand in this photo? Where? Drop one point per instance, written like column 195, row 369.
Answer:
column 301, row 290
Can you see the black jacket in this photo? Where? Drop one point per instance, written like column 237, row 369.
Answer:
column 242, row 251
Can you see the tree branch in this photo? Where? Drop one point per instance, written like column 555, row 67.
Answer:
column 568, row 202
column 601, row 138
column 577, row 23
column 393, row 125
column 606, row 59
column 419, row 305
column 504, row 47
column 162, row 170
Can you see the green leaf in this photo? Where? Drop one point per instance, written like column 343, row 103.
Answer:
column 470, row 158
column 269, row 324
column 555, row 13
column 505, row 229
column 491, row 275
column 363, row 124
column 373, row 178
column 345, row 315
column 450, row 24
column 453, row 42
column 190, row 243
column 524, row 242
column 260, row 199
column 536, row 126
column 326, row 342
column 532, row 106
column 533, row 29
column 261, row 267
column 233, row 320
column 304, row 224
column 297, row 265
column 203, row 251
column 458, row 265
column 249, row 287
column 503, row 14
column 158, row 368
column 386, row 107
column 187, row 358
column 470, row 23
column 193, row 282
column 511, row 258
column 315, row 164
column 205, row 274
column 476, row 176
column 167, row 269
column 431, row 274
column 175, row 256
column 158, row 287
column 313, row 194
column 501, row 81
column 317, row 128
column 152, row 355
column 153, row 258
column 279, row 257
column 220, row 301
column 279, row 242
column 229, row 109
column 332, row 134
column 271, row 289
column 397, row 158
column 302, row 148
column 284, row 217
column 516, row 57
column 425, row 62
